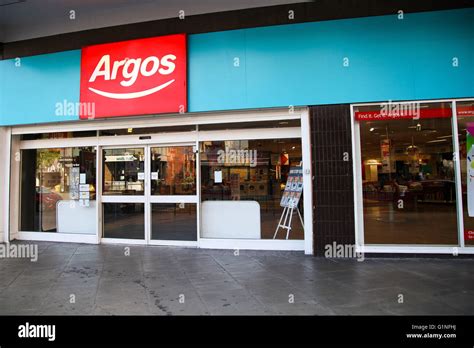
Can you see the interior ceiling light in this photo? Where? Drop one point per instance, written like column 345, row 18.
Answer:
column 436, row 141
column 418, row 125
column 412, row 149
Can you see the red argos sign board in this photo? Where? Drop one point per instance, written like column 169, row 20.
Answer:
column 137, row 77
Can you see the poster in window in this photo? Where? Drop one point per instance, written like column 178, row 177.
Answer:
column 74, row 182
column 293, row 189
column 385, row 149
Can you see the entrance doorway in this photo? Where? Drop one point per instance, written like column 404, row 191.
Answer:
column 149, row 195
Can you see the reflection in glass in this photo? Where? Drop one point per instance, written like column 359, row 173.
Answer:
column 124, row 171
column 124, row 220
column 173, row 170
column 174, row 221
column 408, row 178
column 465, row 112
column 250, row 175
column 58, row 190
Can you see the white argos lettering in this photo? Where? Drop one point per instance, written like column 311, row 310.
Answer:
column 166, row 61
column 117, row 65
column 105, row 60
column 133, row 74
column 132, row 68
column 154, row 69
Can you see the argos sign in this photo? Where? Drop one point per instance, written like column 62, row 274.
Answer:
column 137, row 77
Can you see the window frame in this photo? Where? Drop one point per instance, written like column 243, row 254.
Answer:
column 361, row 246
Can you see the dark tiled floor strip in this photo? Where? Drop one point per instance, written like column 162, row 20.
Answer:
column 100, row 279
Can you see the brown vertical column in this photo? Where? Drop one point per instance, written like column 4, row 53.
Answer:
column 333, row 192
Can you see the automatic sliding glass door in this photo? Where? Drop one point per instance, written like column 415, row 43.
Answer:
column 123, row 193
column 173, row 200
column 149, row 194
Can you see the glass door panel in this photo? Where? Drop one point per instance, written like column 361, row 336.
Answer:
column 173, row 208
column 173, row 170
column 174, row 221
column 124, row 220
column 123, row 193
column 123, row 171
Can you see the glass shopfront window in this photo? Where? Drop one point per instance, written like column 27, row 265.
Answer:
column 408, row 174
column 58, row 189
column 242, row 183
column 465, row 114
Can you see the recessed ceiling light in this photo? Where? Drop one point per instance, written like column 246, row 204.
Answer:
column 436, row 141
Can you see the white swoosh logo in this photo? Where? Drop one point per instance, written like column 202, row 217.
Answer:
column 131, row 95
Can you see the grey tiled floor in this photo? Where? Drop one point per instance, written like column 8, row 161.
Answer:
column 156, row 280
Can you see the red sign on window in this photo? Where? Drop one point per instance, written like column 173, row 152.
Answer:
column 414, row 114
column 468, row 235
column 465, row 111
column 137, row 77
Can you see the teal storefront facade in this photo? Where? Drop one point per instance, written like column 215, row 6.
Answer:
column 422, row 56
column 238, row 75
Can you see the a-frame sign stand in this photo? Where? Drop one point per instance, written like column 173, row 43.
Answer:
column 286, row 217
